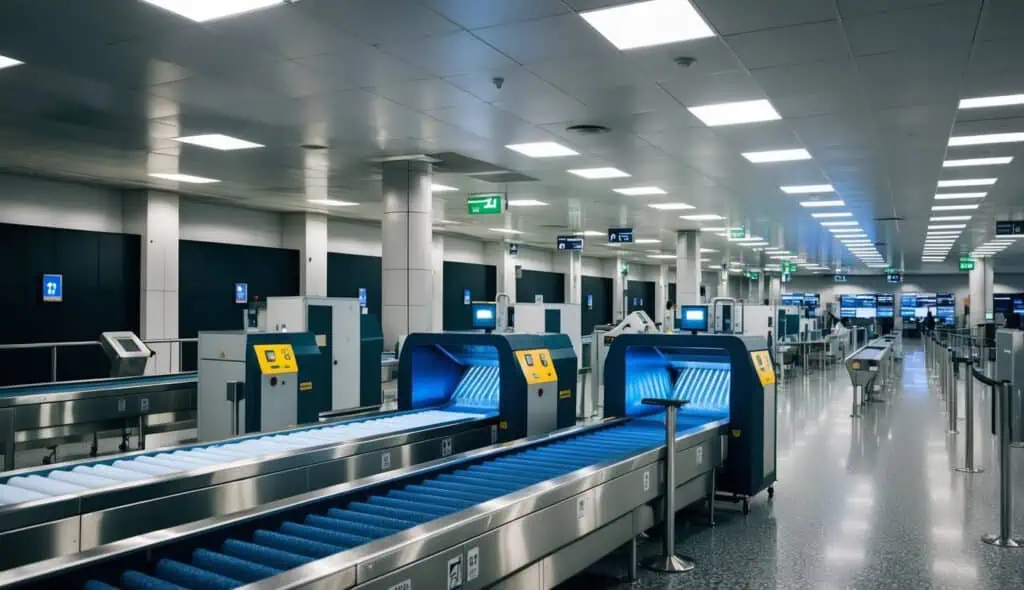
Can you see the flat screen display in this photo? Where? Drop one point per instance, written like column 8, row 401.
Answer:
column 793, row 299
column 693, row 318
column 944, row 300
column 1002, row 303
column 812, row 299
column 866, row 306
column 485, row 316
column 269, row 354
column 1018, row 304
column 886, row 312
column 847, row 306
column 886, row 305
column 128, row 345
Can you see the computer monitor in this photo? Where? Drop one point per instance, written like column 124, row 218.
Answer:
column 485, row 316
column 693, row 318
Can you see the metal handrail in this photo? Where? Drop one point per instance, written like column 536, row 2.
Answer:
column 55, row 346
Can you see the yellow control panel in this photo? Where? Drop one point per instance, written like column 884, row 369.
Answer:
column 537, row 365
column 763, row 366
column 276, row 359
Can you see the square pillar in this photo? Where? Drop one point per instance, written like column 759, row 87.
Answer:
column 307, row 233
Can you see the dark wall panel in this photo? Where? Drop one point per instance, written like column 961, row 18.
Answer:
column 481, row 280
column 347, row 273
column 207, row 275
column 600, row 289
column 536, row 282
column 641, row 296
column 101, row 293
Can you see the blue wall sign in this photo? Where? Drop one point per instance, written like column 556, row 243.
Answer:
column 620, row 235
column 590, row 301
column 53, row 288
column 362, row 297
column 242, row 293
column 466, row 297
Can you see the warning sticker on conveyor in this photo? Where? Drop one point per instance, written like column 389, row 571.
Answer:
column 763, row 366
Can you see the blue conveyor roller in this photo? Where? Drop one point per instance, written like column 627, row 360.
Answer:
column 255, row 551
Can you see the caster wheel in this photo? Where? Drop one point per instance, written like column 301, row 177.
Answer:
column 746, row 506
column 123, row 447
column 47, row 460
column 771, row 491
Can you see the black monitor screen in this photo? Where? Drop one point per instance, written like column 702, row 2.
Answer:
column 693, row 318
column 128, row 344
column 1002, row 303
column 944, row 300
column 485, row 316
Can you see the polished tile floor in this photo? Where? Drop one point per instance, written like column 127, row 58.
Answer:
column 860, row 503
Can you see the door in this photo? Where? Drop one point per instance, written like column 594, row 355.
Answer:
column 319, row 321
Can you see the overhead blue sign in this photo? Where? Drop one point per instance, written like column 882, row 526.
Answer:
column 242, row 293
column 513, row 249
column 466, row 297
column 620, row 235
column 1009, row 228
column 53, row 288
column 362, row 296
column 839, row 278
column 570, row 243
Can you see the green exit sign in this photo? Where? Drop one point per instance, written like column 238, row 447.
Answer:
column 485, row 204
column 737, row 233
column 966, row 263
column 753, row 275
column 788, row 267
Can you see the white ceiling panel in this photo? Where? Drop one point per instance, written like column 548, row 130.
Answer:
column 790, row 45
column 710, row 56
column 379, row 21
column 728, row 86
column 849, row 8
column 1000, row 20
column 944, row 25
column 546, row 39
column 477, row 14
column 450, row 54
column 730, row 17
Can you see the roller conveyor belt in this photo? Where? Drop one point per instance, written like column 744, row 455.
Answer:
column 250, row 551
column 97, row 475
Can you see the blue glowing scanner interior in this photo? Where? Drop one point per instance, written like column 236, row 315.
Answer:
column 463, row 377
column 704, row 378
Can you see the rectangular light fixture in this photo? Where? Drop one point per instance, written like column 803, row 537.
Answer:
column 708, row 250
column 958, row 196
column 857, row 242
column 590, row 233
column 735, row 113
column 186, row 178
column 331, row 203
column 948, row 226
column 846, row 231
column 954, row 207
column 806, row 189
column 640, row 191
column 967, row 182
column 992, row 101
column 702, row 217
column 941, row 234
column 542, row 149
column 526, row 203
column 442, row 188
column 717, row 229
column 772, row 156
column 753, row 244
column 646, row 24
column 506, row 230
column 671, row 206
column 201, row 11
column 835, row 203
column 217, row 141
column 831, row 215
column 664, row 256
column 839, row 224
column 599, row 173
column 986, row 139
column 9, row 62
column 646, row 241
column 968, row 162
column 951, row 218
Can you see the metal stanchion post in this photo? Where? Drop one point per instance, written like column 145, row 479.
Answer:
column 941, row 370
column 235, row 393
column 668, row 561
column 1005, row 537
column 855, row 412
column 952, row 401
column 969, row 409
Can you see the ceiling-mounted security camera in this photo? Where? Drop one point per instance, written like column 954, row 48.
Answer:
column 498, row 82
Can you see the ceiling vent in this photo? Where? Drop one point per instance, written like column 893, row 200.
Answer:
column 883, row 219
column 587, row 129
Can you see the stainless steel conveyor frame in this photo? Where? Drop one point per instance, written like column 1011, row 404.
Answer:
column 71, row 523
column 536, row 537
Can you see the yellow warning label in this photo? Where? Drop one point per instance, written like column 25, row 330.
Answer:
column 565, row 394
column 736, row 432
column 763, row 366
column 503, row 425
column 306, row 386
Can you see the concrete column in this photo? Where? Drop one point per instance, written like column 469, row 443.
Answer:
column 762, row 261
column 437, row 265
column 980, row 280
column 775, row 290
column 723, row 283
column 570, row 264
column 406, row 267
column 619, row 285
column 661, row 295
column 688, row 267
column 154, row 216
column 505, row 264
column 307, row 233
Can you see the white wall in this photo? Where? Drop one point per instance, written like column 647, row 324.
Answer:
column 535, row 259
column 353, row 237
column 462, row 249
column 46, row 203
column 206, row 222
column 594, row 267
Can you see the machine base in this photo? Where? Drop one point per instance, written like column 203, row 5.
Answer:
column 1006, row 543
column 673, row 564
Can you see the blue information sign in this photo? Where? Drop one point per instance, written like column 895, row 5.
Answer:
column 466, row 297
column 241, row 293
column 570, row 243
column 590, row 301
column 839, row 278
column 362, row 296
column 53, row 288
column 620, row 235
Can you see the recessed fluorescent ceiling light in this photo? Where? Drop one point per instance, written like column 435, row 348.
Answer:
column 644, row 24
column 839, row 223
column 716, row 229
column 948, row 226
column 805, row 189
column 835, row 203
column 951, row 218
column 771, row 156
column 957, row 196
column 702, row 217
column 752, row 244
column 206, row 10
column 846, row 231
column 735, row 113
column 526, row 203
column 708, row 250
column 639, row 191
column 183, row 178
column 216, row 141
column 985, row 139
column 647, row 241
column 599, row 173
column 8, row 62
column 967, row 162
column 954, row 207
column 967, row 182
column 589, row 232
column 331, row 203
column 442, row 188
column 505, row 230
column 666, row 257
column 670, row 206
column 992, row 101
column 830, row 215
column 542, row 149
